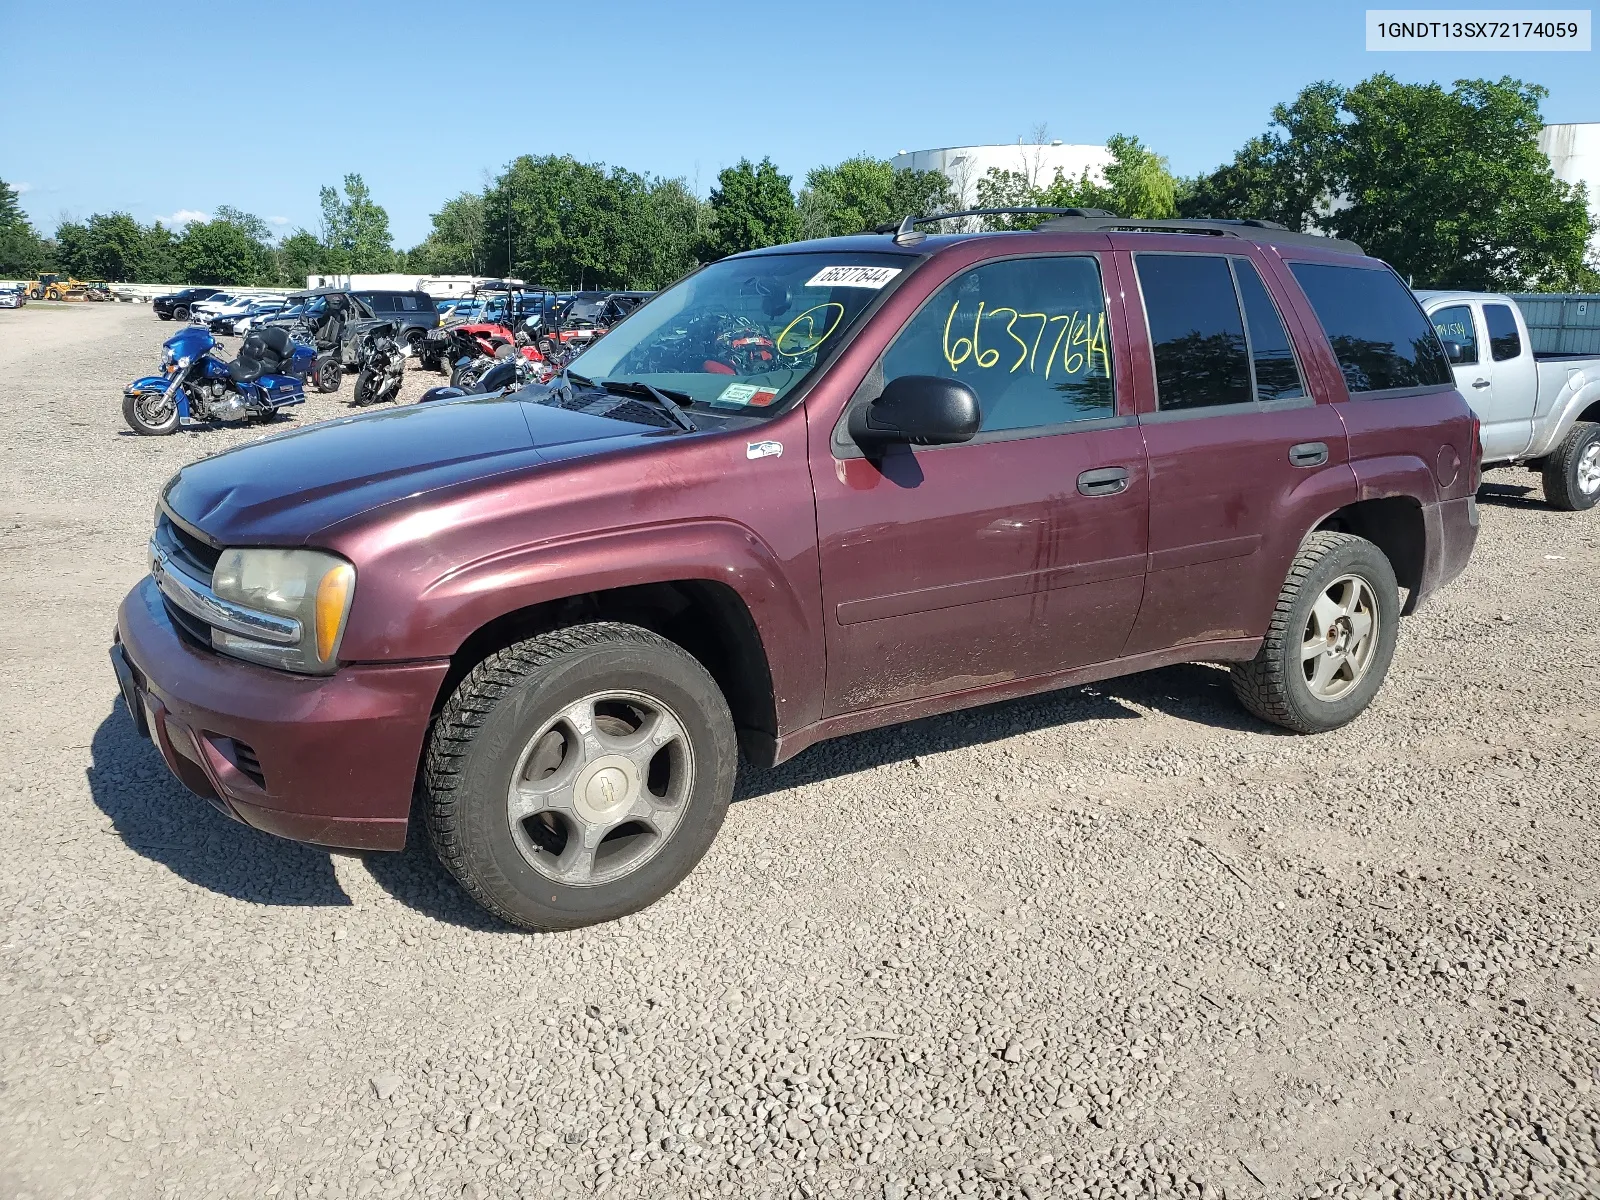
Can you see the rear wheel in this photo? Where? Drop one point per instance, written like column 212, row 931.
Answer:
column 1331, row 639
column 1572, row 470
column 578, row 776
column 150, row 414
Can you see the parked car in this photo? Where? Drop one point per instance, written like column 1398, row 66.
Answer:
column 12, row 297
column 225, row 319
column 962, row 468
column 201, row 311
column 1542, row 410
column 176, row 305
column 412, row 313
column 255, row 313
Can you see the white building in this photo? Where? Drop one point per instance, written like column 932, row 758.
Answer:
column 963, row 166
column 1574, row 154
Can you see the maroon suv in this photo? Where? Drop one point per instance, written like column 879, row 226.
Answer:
column 807, row 491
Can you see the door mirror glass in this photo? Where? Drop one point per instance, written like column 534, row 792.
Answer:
column 918, row 410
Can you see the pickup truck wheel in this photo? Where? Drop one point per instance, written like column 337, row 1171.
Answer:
column 578, row 776
column 1572, row 470
column 1331, row 639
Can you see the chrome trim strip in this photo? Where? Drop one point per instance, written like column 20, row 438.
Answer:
column 198, row 600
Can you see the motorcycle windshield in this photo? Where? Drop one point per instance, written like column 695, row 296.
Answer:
column 189, row 343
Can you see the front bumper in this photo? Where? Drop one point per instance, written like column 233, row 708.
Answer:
column 329, row 760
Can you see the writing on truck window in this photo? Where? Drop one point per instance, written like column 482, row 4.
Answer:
column 1028, row 335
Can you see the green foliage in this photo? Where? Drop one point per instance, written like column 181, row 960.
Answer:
column 556, row 221
column 456, row 244
column 221, row 252
column 355, row 230
column 299, row 255
column 1137, row 183
column 752, row 206
column 862, row 193
column 11, row 214
column 1448, row 185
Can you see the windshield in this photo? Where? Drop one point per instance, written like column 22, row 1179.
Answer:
column 740, row 334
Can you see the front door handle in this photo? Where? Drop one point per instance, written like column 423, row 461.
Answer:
column 1480, row 383
column 1309, row 454
column 1105, row 481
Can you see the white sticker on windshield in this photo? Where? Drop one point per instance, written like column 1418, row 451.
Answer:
column 867, row 277
column 747, row 395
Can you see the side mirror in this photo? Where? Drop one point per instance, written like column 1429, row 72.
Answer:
column 919, row 410
column 1454, row 351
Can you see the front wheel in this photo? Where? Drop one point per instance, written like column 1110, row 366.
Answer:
column 578, row 776
column 1331, row 638
column 1572, row 470
column 150, row 414
column 181, row 313
column 164, row 316
column 366, row 387
column 329, row 374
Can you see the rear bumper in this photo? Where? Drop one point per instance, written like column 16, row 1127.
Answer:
column 1452, row 532
column 329, row 760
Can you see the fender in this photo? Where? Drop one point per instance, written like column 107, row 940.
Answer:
column 435, row 622
column 1396, row 475
column 1576, row 395
column 158, row 384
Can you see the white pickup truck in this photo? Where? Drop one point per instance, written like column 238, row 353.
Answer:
column 1542, row 410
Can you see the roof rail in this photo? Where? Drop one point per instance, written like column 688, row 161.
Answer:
column 1249, row 228
column 905, row 233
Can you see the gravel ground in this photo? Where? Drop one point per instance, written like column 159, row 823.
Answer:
column 1118, row 941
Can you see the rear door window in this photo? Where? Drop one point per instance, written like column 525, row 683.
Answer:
column 1271, row 352
column 1378, row 332
column 1504, row 340
column 1455, row 329
column 1196, row 331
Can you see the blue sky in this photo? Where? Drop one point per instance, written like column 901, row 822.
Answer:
column 257, row 106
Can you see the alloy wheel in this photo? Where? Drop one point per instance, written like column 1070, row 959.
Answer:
column 600, row 788
column 1339, row 639
column 1589, row 469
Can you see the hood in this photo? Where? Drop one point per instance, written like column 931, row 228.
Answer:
column 285, row 489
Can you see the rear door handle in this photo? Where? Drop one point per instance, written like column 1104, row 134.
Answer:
column 1309, row 454
column 1480, row 383
column 1104, row 481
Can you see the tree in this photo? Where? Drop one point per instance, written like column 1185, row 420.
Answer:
column 355, row 230
column 298, row 256
column 220, row 252
column 863, row 192
column 664, row 229
column 253, row 225
column 23, row 254
column 456, row 244
column 1448, row 185
column 1136, row 183
column 752, row 206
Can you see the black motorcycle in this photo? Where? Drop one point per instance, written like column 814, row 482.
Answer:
column 499, row 376
column 383, row 367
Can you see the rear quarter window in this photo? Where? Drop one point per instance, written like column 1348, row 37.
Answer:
column 1378, row 332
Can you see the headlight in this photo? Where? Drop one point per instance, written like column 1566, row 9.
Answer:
column 185, row 361
column 310, row 587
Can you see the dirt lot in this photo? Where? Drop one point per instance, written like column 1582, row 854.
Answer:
column 1122, row 940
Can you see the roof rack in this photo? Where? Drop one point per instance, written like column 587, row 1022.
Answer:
column 905, row 233
column 1248, row 228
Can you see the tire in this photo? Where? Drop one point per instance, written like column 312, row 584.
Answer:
column 138, row 422
column 507, row 721
column 329, row 374
column 1347, row 570
column 458, row 374
column 180, row 313
column 366, row 388
column 164, row 316
column 1572, row 469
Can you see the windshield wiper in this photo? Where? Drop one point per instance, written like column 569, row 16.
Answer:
column 637, row 387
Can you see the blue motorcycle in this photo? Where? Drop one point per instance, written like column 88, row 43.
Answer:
column 197, row 385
